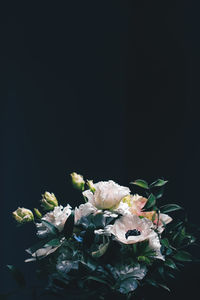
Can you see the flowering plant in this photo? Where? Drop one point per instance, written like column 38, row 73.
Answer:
column 114, row 242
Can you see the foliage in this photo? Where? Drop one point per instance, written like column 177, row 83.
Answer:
column 85, row 249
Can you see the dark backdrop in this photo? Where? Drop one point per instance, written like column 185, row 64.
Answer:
column 105, row 88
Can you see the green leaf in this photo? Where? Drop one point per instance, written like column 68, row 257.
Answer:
column 164, row 287
column 165, row 242
column 127, row 285
column 144, row 259
column 170, row 207
column 169, row 251
column 69, row 226
column 151, row 201
column 88, row 237
column 158, row 194
column 39, row 245
column 152, row 282
column 51, row 227
column 180, row 237
column 142, row 247
column 161, row 271
column 183, row 256
column 169, row 263
column 53, row 243
column 97, row 279
column 17, row 275
column 191, row 239
column 141, row 183
column 101, row 251
column 171, row 275
column 158, row 182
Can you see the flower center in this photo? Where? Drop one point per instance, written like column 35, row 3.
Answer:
column 132, row 232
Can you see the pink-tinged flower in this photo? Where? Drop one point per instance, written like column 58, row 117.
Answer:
column 131, row 229
column 136, row 204
column 107, row 194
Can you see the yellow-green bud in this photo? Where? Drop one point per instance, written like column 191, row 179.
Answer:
column 78, row 181
column 49, row 201
column 37, row 213
column 90, row 184
column 23, row 215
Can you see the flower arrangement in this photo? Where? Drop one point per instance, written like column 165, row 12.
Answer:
column 114, row 242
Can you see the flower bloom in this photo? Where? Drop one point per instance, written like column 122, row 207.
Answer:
column 136, row 203
column 84, row 210
column 107, row 194
column 57, row 217
column 131, row 229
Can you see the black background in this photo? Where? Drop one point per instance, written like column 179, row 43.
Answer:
column 108, row 89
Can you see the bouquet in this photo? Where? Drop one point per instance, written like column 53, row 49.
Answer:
column 116, row 242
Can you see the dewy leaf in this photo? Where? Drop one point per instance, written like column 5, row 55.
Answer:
column 141, row 183
column 183, row 256
column 51, row 227
column 17, row 275
column 170, row 207
column 158, row 182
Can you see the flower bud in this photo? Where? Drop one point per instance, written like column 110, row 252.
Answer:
column 37, row 213
column 90, row 184
column 23, row 215
column 78, row 181
column 49, row 201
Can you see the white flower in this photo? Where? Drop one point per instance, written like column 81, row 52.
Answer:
column 87, row 209
column 107, row 195
column 130, row 229
column 123, row 208
column 84, row 210
column 163, row 220
column 66, row 265
column 57, row 217
column 154, row 244
column 127, row 276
